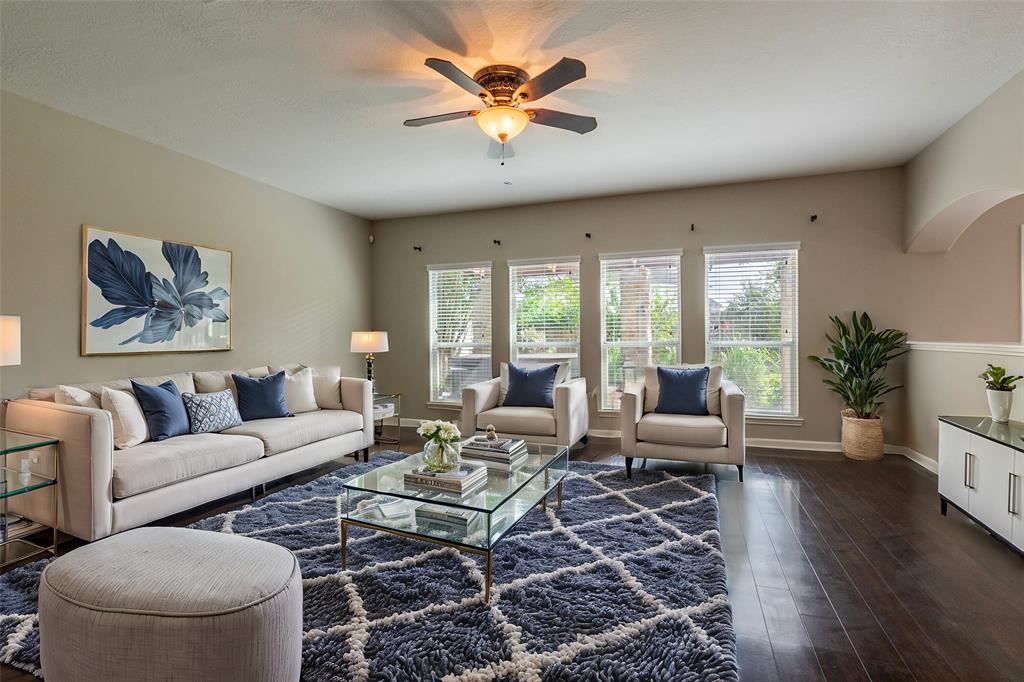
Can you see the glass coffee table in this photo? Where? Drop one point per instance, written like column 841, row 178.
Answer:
column 379, row 500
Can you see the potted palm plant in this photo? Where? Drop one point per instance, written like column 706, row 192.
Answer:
column 1000, row 387
column 860, row 355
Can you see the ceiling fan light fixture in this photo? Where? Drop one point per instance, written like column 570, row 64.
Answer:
column 502, row 123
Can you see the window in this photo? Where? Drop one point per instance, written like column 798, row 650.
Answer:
column 751, row 323
column 544, row 312
column 460, row 328
column 639, row 319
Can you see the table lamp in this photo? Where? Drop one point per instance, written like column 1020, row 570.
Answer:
column 369, row 343
column 10, row 340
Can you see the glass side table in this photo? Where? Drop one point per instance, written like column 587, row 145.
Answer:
column 387, row 411
column 28, row 462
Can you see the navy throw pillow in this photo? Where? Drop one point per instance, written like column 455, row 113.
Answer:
column 163, row 408
column 683, row 391
column 531, row 387
column 261, row 398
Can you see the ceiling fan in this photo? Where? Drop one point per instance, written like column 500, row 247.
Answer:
column 504, row 90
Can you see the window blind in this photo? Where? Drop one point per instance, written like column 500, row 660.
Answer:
column 544, row 313
column 639, row 319
column 751, row 315
column 460, row 329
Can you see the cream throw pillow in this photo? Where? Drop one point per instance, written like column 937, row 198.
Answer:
column 714, row 387
column 69, row 395
column 298, row 391
column 561, row 376
column 129, row 422
column 326, row 383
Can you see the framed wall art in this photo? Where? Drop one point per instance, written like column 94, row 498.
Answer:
column 144, row 295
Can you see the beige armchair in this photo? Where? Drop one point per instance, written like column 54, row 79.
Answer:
column 693, row 438
column 565, row 424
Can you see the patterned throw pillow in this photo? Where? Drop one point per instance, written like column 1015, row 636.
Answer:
column 211, row 412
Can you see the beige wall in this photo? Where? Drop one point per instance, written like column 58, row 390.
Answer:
column 852, row 257
column 301, row 270
column 973, row 166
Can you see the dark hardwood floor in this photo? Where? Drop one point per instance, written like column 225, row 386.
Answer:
column 838, row 570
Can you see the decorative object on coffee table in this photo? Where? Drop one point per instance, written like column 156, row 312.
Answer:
column 444, row 443
column 369, row 343
column 999, row 389
column 492, row 433
column 860, row 356
column 143, row 295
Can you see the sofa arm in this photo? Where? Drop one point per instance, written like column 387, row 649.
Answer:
column 477, row 398
column 733, row 414
column 85, row 460
column 572, row 413
column 631, row 410
column 357, row 396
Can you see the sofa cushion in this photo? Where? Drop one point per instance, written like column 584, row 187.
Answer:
column 682, row 429
column 326, row 383
column 214, row 381
column 530, row 387
column 262, row 398
column 288, row 433
column 160, row 463
column 524, row 421
column 165, row 412
column 714, row 398
column 211, row 412
column 683, row 390
column 183, row 381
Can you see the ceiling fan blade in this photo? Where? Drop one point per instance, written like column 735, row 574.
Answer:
column 440, row 118
column 494, row 151
column 455, row 75
column 560, row 119
column 561, row 74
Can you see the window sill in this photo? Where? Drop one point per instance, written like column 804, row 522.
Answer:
column 756, row 419
column 769, row 420
column 456, row 407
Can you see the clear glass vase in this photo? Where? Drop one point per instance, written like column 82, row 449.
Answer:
column 441, row 456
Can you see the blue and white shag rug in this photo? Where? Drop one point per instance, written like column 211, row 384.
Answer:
column 625, row 582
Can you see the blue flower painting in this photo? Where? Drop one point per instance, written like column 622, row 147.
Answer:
column 167, row 303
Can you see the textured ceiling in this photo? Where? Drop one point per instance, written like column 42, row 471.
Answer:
column 310, row 97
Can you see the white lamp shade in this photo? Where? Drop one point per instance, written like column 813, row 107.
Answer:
column 369, row 342
column 10, row 340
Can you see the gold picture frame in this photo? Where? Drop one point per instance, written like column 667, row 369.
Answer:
column 143, row 311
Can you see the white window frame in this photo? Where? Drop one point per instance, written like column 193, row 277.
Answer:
column 515, row 347
column 487, row 347
column 603, row 406
column 791, row 346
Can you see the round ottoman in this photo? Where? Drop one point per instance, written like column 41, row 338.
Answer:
column 172, row 604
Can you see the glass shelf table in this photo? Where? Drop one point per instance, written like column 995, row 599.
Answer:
column 379, row 500
column 389, row 407
column 24, row 468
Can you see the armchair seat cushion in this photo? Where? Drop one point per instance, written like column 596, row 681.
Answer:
column 683, row 429
column 523, row 421
column 157, row 464
column 287, row 433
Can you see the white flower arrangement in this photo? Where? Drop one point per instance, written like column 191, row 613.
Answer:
column 439, row 431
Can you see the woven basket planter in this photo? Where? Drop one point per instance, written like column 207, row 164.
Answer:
column 862, row 438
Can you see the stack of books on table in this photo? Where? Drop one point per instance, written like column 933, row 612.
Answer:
column 456, row 521
column 503, row 454
column 466, row 479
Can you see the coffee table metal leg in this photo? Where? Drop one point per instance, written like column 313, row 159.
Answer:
column 487, row 575
column 344, row 546
column 559, row 494
column 544, row 502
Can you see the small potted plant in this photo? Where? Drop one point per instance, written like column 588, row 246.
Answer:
column 860, row 355
column 1000, row 387
column 443, row 447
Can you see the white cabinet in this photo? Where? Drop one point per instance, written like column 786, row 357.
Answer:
column 1017, row 503
column 981, row 467
column 954, row 455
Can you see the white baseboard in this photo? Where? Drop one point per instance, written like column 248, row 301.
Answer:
column 921, row 460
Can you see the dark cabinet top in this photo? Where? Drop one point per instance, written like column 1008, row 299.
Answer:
column 1010, row 434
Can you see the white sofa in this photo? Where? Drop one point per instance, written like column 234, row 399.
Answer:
column 718, row 438
column 564, row 424
column 105, row 491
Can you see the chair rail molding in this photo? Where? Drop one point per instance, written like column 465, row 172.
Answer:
column 1005, row 349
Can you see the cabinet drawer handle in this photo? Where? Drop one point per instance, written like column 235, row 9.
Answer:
column 967, row 468
column 1011, row 496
